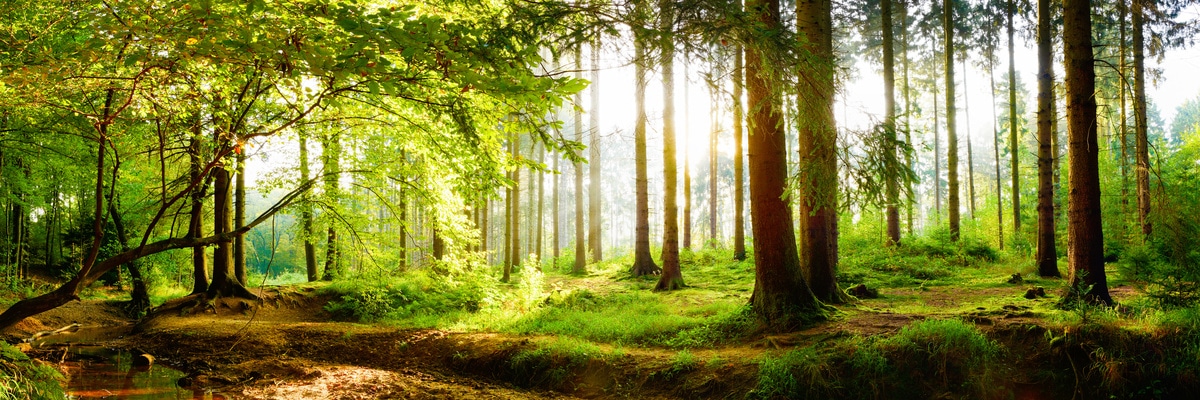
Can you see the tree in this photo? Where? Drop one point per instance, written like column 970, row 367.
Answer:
column 1047, row 255
column 781, row 297
column 889, row 119
column 595, row 221
column 818, row 152
column 643, row 263
column 671, row 278
column 196, row 215
column 1141, row 142
column 1085, row 232
column 331, row 154
column 1014, row 152
column 580, row 245
column 739, row 183
column 239, row 215
column 951, row 128
column 306, row 214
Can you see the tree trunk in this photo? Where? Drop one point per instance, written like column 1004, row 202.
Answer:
column 331, row 153
column 224, row 281
column 687, row 165
column 595, row 220
column 889, row 121
column 1013, row 149
column 643, row 263
column 139, row 296
column 996, row 147
column 580, row 240
column 739, row 181
column 1085, row 231
column 671, row 278
column 951, row 128
column 712, row 180
column 1141, row 143
column 1123, row 13
column 781, row 298
column 908, row 158
column 196, row 214
column 541, row 196
column 818, row 152
column 937, row 156
column 306, row 215
column 239, row 216
column 1047, row 255
column 970, row 152
column 509, row 193
column 557, row 240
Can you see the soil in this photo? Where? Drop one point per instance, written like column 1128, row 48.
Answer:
column 287, row 347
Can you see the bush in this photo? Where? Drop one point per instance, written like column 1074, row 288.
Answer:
column 415, row 294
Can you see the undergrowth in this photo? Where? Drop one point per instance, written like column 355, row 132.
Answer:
column 24, row 378
column 923, row 360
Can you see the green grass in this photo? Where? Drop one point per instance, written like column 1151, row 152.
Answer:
column 23, row 378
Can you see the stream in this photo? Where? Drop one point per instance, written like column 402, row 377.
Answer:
column 95, row 370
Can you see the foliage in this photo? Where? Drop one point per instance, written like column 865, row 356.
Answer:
column 932, row 257
column 24, row 378
column 923, row 360
column 413, row 295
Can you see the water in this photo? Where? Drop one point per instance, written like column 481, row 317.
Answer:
column 98, row 372
column 95, row 371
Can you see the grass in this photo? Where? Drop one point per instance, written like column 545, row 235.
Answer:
column 23, row 378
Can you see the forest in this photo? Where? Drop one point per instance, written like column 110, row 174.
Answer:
column 599, row 199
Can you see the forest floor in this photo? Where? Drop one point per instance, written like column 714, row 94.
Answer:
column 290, row 346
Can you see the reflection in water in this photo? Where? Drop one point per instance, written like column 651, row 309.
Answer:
column 96, row 372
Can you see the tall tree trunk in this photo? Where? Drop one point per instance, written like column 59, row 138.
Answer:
column 196, row 214
column 970, row 151
column 541, row 205
column 1085, row 241
column 595, row 220
column 580, row 245
column 712, row 180
column 1141, row 143
column 643, row 263
column 557, row 240
column 239, row 216
column 139, row 296
column 996, row 146
column 509, row 205
column 937, row 156
column 331, row 154
column 1123, row 13
column 1013, row 150
column 951, row 128
column 908, row 158
column 1047, row 255
column 671, row 278
column 818, row 152
column 306, row 215
column 781, row 298
column 687, row 165
column 889, row 121
column 224, row 281
column 739, row 181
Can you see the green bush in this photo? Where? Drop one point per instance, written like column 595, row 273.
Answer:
column 415, row 294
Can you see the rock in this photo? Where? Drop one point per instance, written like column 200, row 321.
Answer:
column 1035, row 292
column 1016, row 279
column 863, row 292
column 143, row 360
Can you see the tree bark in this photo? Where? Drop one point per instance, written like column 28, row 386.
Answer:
column 539, row 236
column 818, row 152
column 996, row 148
column 739, row 180
column 580, row 265
column 671, row 278
column 509, row 205
column 889, row 120
column 781, row 298
column 1013, row 150
column 595, row 220
column 951, row 128
column 687, row 165
column 1047, row 255
column 643, row 263
column 331, row 153
column 139, row 296
column 908, row 158
column 239, row 216
column 306, row 215
column 1141, row 142
column 1085, row 231
column 196, row 213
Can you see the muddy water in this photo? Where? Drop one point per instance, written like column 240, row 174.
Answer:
column 97, row 371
